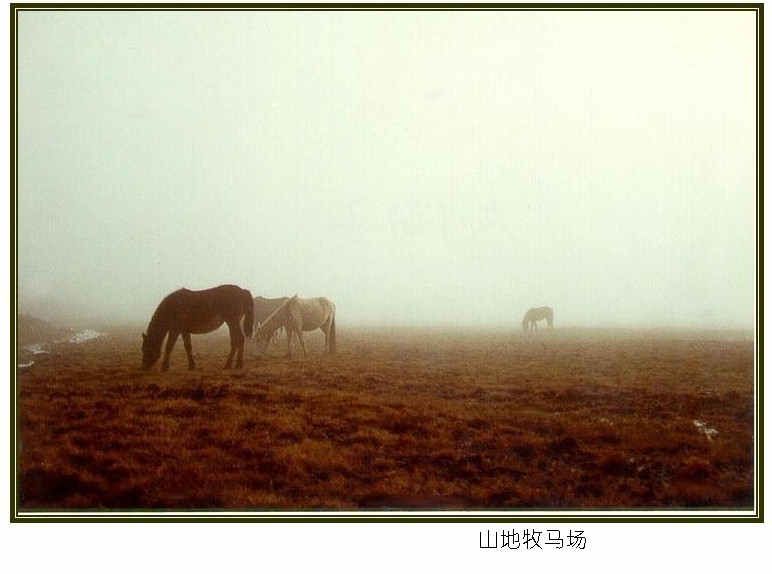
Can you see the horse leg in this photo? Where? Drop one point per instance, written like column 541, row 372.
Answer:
column 240, row 338
column 169, row 346
column 237, row 346
column 329, row 335
column 294, row 326
column 303, row 343
column 326, row 331
column 188, row 350
column 289, row 342
column 333, row 337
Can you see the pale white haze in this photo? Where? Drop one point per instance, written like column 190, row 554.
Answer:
column 449, row 168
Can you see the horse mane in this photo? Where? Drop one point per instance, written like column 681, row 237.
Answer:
column 264, row 307
column 158, row 326
column 276, row 320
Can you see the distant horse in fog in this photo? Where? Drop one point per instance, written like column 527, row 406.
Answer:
column 297, row 315
column 537, row 314
column 186, row 312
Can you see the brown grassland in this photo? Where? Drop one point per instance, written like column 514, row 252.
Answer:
column 398, row 419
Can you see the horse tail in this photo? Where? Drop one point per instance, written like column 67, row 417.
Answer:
column 333, row 342
column 249, row 314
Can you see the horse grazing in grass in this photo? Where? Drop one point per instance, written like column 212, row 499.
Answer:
column 186, row 312
column 297, row 315
column 537, row 314
column 264, row 308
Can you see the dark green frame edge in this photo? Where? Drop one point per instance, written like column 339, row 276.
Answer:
column 526, row 516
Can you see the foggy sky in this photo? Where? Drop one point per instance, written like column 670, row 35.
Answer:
column 415, row 167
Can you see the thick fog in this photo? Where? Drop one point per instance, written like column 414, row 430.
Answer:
column 450, row 168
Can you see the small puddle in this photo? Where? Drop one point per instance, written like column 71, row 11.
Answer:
column 27, row 353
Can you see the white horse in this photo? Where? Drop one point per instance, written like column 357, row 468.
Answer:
column 537, row 314
column 297, row 315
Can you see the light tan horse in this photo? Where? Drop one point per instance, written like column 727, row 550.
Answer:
column 537, row 314
column 297, row 315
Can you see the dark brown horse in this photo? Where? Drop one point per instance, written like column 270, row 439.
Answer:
column 186, row 312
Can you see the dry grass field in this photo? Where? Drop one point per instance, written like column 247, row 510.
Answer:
column 405, row 419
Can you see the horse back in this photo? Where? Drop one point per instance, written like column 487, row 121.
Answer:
column 205, row 310
column 311, row 313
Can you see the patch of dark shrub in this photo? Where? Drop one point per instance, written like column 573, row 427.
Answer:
column 40, row 487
